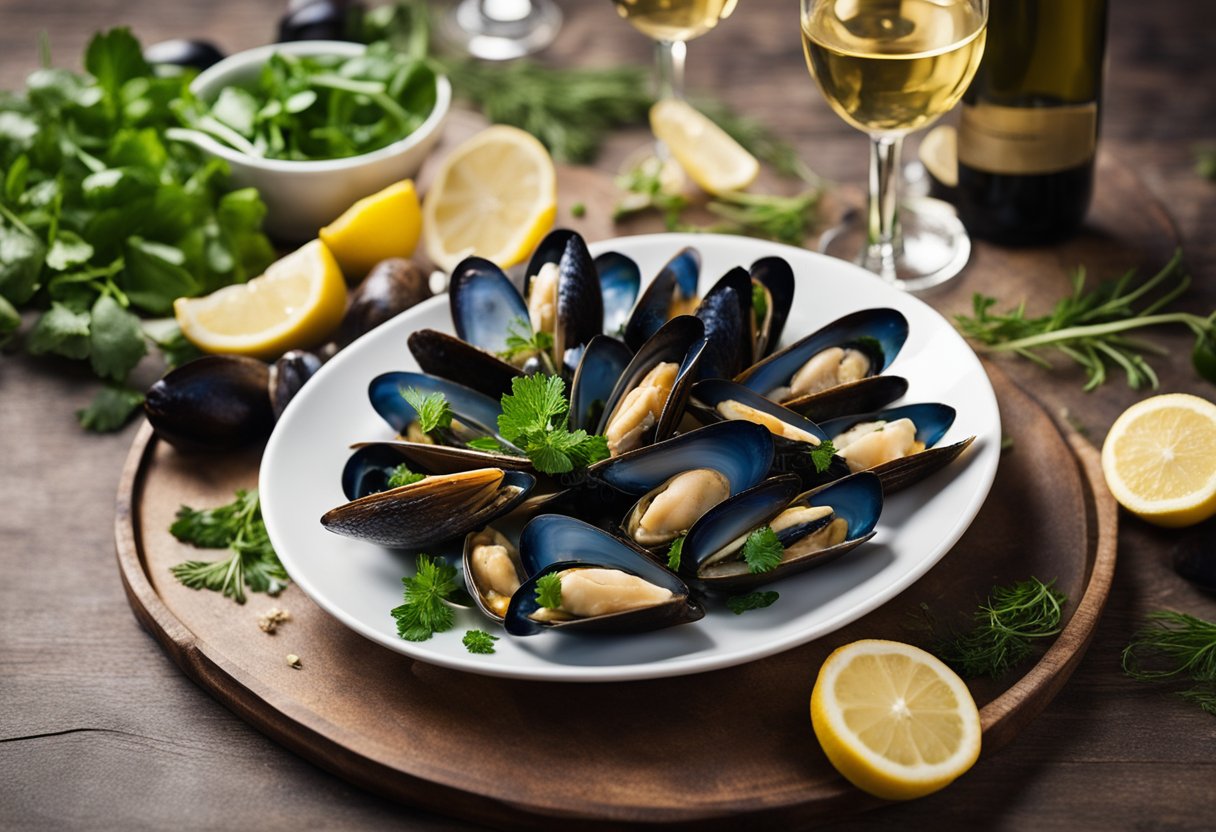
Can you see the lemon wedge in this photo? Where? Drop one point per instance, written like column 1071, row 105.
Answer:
column 377, row 227
column 298, row 302
column 494, row 196
column 710, row 157
column 1159, row 459
column 893, row 719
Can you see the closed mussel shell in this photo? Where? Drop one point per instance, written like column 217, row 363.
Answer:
column 216, row 402
column 932, row 421
column 391, row 287
column 709, row 556
column 554, row 543
column 288, row 375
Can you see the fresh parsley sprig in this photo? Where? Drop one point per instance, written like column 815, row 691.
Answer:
column 402, row 476
column 534, row 420
column 236, row 526
column 675, row 553
column 549, row 591
column 1091, row 327
column 763, row 550
column 1176, row 646
column 821, row 455
column 1006, row 626
column 425, row 612
column 479, row 641
column 739, row 604
column 521, row 340
column 432, row 409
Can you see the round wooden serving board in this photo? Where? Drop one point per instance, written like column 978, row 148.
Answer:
column 709, row 751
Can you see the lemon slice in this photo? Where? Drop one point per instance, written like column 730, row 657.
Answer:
column 1159, row 459
column 297, row 303
column 712, row 159
column 494, row 196
column 377, row 227
column 894, row 720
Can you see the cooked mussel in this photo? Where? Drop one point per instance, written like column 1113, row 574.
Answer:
column 771, row 301
column 564, row 296
column 493, row 570
column 390, row 288
column 216, row 402
column 602, row 364
column 288, row 375
column 606, row 585
column 811, row 528
column 898, row 444
column 648, row 400
column 620, row 280
column 726, row 311
column 443, row 355
column 431, row 510
column 673, row 292
column 837, row 361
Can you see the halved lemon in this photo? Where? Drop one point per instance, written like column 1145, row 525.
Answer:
column 298, row 302
column 1159, row 459
column 377, row 227
column 494, row 196
column 893, row 719
column 708, row 154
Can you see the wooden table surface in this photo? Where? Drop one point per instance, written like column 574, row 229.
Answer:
column 99, row 730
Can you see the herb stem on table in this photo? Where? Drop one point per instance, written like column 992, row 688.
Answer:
column 1174, row 646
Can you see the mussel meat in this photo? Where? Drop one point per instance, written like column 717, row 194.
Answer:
column 493, row 570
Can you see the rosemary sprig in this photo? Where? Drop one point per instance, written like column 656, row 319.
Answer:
column 1005, row 628
column 1176, row 646
column 1091, row 327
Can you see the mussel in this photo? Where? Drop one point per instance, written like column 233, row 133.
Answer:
column 391, row 287
column 673, row 292
column 771, row 301
column 288, row 375
column 811, row 528
column 620, row 280
column 216, row 402
column 648, row 400
column 726, row 311
column 829, row 372
column 606, row 585
column 897, row 444
column 603, row 363
column 431, row 510
column 493, row 571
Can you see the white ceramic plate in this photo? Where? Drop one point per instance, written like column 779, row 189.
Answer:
column 359, row 583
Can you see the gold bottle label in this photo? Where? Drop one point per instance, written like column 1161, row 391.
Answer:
column 1027, row 140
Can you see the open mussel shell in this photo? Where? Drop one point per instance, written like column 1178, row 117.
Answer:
column 775, row 276
column 725, row 310
column 932, row 421
column 717, row 400
column 435, row 509
column 710, row 554
column 879, row 334
column 861, row 396
column 579, row 314
column 446, row 459
column 602, row 365
column 472, row 409
column 554, row 543
column 484, row 304
column 673, row 292
column 680, row 341
column 485, row 576
column 216, row 402
column 440, row 354
column 620, row 281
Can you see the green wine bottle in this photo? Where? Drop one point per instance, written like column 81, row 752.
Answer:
column 1029, row 126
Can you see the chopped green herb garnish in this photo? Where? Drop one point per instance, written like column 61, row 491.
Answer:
column 759, row 302
column 739, row 604
column 821, row 455
column 479, row 641
column 1178, row 647
column 521, row 340
column 236, row 526
column 488, row 444
column 402, row 475
column 578, row 210
column 1005, row 628
column 763, row 550
column 534, row 419
column 424, row 612
column 674, row 553
column 549, row 591
column 433, row 411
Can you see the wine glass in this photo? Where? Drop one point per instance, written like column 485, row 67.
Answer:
column 888, row 67
column 671, row 24
column 499, row 30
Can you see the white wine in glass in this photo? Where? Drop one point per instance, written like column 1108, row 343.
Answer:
column 888, row 67
column 672, row 23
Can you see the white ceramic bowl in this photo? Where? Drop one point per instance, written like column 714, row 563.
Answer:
column 303, row 196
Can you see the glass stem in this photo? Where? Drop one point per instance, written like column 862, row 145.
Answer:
column 883, row 241
column 671, row 68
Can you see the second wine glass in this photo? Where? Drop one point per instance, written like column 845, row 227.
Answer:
column 888, row 67
column 672, row 23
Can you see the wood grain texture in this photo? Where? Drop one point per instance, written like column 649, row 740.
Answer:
column 101, row 731
column 475, row 746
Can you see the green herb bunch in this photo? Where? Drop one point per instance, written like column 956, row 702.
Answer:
column 104, row 218
column 1174, row 646
column 1006, row 627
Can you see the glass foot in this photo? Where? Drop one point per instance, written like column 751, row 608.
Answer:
column 932, row 246
column 499, row 30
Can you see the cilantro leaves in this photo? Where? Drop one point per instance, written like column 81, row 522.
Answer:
column 821, row 455
column 402, row 475
column 424, row 612
column 534, row 420
column 238, row 527
column 763, row 550
column 479, row 641
column 674, row 554
column 739, row 604
column 433, row 411
column 549, row 591
column 521, row 340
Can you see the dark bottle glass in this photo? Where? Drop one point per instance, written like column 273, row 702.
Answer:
column 1029, row 125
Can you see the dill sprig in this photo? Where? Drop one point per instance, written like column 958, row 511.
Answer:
column 1090, row 327
column 1006, row 626
column 1176, row 646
